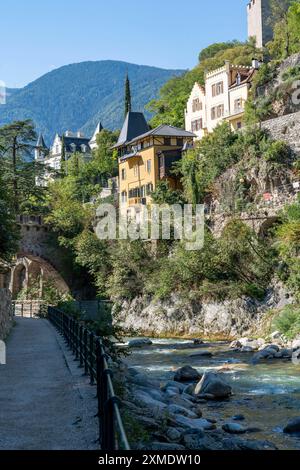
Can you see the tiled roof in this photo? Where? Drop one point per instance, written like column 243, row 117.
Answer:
column 134, row 125
column 164, row 131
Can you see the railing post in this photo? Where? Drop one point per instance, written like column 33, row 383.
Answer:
column 91, row 357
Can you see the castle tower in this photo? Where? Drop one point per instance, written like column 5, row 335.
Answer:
column 40, row 150
column 259, row 26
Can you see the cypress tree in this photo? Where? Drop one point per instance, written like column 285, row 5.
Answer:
column 127, row 96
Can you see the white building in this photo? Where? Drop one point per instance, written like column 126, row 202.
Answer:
column 62, row 148
column 223, row 98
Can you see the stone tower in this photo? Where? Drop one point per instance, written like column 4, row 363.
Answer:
column 259, row 26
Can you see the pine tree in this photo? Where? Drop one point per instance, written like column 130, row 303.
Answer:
column 127, row 96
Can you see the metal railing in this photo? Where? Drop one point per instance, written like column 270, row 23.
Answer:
column 89, row 351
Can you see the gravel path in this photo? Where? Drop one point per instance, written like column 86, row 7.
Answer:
column 45, row 402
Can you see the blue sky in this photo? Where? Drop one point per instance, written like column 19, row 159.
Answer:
column 36, row 37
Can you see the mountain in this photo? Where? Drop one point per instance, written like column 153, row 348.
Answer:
column 77, row 96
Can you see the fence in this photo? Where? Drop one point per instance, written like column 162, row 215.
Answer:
column 29, row 308
column 89, row 351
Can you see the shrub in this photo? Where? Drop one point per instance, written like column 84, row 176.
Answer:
column 288, row 321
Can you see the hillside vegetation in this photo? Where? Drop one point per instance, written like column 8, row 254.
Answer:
column 78, row 96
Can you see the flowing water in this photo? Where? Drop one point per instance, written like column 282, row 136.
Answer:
column 267, row 394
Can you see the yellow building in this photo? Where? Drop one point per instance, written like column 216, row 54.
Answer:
column 147, row 158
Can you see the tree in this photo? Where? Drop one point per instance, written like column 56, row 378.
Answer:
column 285, row 20
column 17, row 141
column 8, row 226
column 127, row 96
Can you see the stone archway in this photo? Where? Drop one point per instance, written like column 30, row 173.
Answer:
column 35, row 272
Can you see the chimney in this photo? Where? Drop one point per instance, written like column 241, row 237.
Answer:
column 255, row 64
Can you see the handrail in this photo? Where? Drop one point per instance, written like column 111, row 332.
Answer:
column 89, row 351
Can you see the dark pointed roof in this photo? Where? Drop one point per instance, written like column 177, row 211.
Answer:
column 40, row 142
column 135, row 124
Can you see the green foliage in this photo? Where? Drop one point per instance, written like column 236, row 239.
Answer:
column 169, row 107
column 8, row 229
column 286, row 41
column 127, row 96
column 49, row 293
column 202, row 165
column 288, row 246
column 85, row 93
column 19, row 173
column 288, row 321
column 163, row 194
column 214, row 49
column 236, row 264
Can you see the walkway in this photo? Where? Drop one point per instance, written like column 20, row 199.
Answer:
column 45, row 402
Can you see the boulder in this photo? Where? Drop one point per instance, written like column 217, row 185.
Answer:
column 293, row 426
column 189, row 389
column 296, row 344
column 275, row 335
column 180, row 410
column 247, row 349
column 238, row 418
column 164, row 446
column 213, row 384
column 139, row 343
column 234, row 428
column 201, row 354
column 172, row 385
column 186, row 374
column 198, row 341
column 198, row 423
column 173, row 434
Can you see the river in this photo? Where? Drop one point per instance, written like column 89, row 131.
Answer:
column 267, row 394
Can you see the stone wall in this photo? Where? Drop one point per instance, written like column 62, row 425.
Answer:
column 6, row 313
column 285, row 128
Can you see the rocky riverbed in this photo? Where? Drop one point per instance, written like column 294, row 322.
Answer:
column 226, row 398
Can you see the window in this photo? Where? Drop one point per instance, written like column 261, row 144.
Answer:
column 179, row 142
column 238, row 104
column 197, row 105
column 123, row 174
column 73, row 147
column 143, row 191
column 197, row 125
column 167, row 141
column 83, row 148
column 124, row 196
column 149, row 188
column 135, row 170
column 217, row 112
column 217, row 89
column 239, row 125
column 148, row 166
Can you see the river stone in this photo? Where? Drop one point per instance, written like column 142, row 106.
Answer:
column 189, row 390
column 139, row 343
column 180, row 410
column 201, row 354
column 172, row 385
column 238, row 418
column 165, row 446
column 296, row 344
column 198, row 341
column 247, row 349
column 199, row 423
column 293, row 426
column 234, row 428
column 213, row 384
column 186, row 374
column 173, row 434
column 198, row 411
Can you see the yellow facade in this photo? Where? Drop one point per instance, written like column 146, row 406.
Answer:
column 140, row 174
